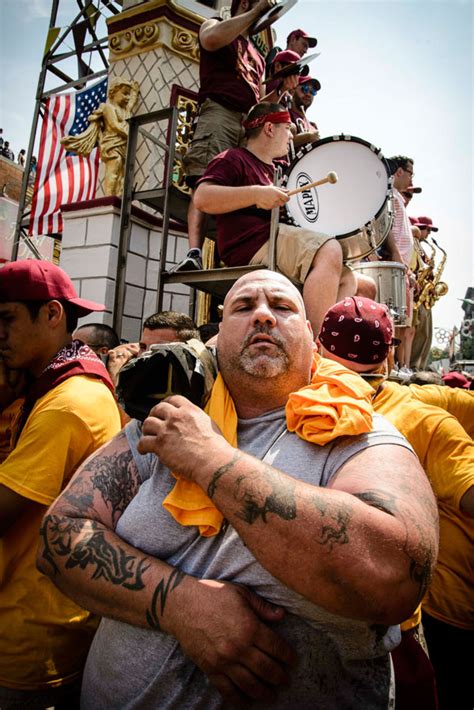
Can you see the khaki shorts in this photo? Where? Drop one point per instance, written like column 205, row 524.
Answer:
column 296, row 248
column 217, row 129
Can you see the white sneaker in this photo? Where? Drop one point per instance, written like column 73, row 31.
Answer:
column 192, row 262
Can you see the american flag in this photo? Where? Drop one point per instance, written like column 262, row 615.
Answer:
column 61, row 176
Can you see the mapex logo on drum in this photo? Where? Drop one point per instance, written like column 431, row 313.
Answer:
column 307, row 199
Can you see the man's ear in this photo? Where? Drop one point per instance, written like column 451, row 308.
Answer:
column 54, row 312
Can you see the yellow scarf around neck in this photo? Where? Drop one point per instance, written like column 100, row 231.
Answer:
column 337, row 402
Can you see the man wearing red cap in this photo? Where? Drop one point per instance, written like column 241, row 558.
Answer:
column 238, row 188
column 358, row 333
column 230, row 76
column 421, row 346
column 297, row 41
column 303, row 97
column 68, row 412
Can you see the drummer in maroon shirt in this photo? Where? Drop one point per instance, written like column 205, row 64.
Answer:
column 231, row 71
column 238, row 188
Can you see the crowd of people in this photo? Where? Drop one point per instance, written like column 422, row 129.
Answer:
column 8, row 153
column 302, row 535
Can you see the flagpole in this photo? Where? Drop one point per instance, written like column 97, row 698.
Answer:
column 31, row 144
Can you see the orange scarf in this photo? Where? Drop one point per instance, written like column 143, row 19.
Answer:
column 337, row 402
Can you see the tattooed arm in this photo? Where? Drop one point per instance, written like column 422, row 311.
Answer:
column 364, row 547
column 219, row 625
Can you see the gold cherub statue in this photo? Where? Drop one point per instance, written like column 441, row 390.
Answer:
column 109, row 129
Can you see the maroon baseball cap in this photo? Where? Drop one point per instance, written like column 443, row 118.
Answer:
column 306, row 79
column 456, row 379
column 425, row 222
column 36, row 280
column 312, row 41
column 358, row 329
column 286, row 57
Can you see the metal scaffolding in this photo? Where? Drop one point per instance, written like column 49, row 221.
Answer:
column 75, row 54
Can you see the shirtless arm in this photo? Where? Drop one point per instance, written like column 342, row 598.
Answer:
column 220, row 199
column 219, row 625
column 215, row 34
column 364, row 547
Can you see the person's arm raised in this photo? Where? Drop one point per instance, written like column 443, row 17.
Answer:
column 364, row 547
column 220, row 199
column 215, row 34
column 220, row 626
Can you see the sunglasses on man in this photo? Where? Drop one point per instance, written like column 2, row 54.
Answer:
column 307, row 89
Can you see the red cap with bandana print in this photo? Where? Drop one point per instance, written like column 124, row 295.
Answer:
column 358, row 329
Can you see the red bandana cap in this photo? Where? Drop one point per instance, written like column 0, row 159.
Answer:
column 358, row 329
column 36, row 280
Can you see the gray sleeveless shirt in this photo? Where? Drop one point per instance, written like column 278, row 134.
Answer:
column 341, row 663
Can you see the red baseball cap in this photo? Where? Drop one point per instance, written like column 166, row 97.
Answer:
column 286, row 57
column 425, row 222
column 358, row 329
column 456, row 379
column 37, row 280
column 307, row 79
column 312, row 41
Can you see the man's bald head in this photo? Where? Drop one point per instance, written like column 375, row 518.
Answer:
column 264, row 276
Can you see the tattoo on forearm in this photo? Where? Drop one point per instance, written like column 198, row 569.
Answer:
column 160, row 597
column 334, row 522
column 109, row 561
column 257, row 504
column 212, row 487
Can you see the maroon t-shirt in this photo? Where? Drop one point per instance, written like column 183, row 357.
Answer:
column 240, row 234
column 302, row 123
column 232, row 75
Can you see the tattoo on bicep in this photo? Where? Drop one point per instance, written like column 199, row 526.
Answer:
column 160, row 596
column 421, row 574
column 378, row 499
column 334, row 522
column 116, row 479
column 280, row 500
column 108, row 561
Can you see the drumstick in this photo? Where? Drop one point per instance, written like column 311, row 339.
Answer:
column 330, row 177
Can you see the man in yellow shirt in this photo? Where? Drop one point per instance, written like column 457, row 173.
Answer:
column 68, row 412
column 352, row 334
column 458, row 402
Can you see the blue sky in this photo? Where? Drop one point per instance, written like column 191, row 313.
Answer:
column 397, row 74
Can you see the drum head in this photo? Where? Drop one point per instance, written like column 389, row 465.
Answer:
column 343, row 208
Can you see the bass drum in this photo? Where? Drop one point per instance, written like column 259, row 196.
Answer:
column 389, row 277
column 357, row 210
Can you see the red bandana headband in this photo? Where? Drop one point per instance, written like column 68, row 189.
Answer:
column 276, row 117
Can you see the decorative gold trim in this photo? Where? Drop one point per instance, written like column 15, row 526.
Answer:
column 187, row 109
column 151, row 5
column 185, row 42
column 134, row 40
column 146, row 37
column 204, row 299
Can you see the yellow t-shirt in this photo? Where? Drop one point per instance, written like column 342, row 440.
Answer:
column 455, row 400
column 446, row 453
column 7, row 417
column 44, row 636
